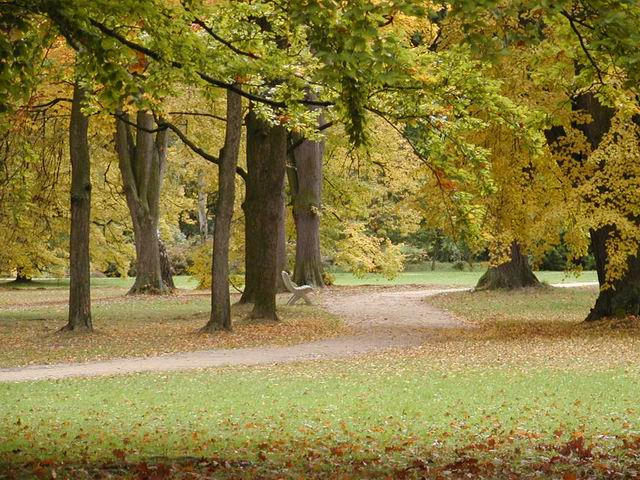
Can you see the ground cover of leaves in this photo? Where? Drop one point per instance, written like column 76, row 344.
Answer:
column 128, row 326
column 527, row 391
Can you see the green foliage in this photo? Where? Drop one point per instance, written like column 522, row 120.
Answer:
column 439, row 100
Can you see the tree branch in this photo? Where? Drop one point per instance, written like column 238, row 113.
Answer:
column 227, row 44
column 583, row 45
column 164, row 125
column 301, row 140
column 207, row 156
column 44, row 106
column 123, row 118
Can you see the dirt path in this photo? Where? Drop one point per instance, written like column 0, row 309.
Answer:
column 379, row 318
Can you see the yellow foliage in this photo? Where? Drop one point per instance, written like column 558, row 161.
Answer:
column 200, row 268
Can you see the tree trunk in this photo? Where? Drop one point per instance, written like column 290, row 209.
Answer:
column 251, row 248
column 203, row 222
column 165, row 266
column 266, row 163
column 516, row 273
column 305, row 179
column 622, row 298
column 22, row 277
column 79, row 276
column 281, row 262
column 220, row 318
column 142, row 163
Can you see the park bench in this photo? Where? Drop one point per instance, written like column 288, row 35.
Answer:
column 299, row 292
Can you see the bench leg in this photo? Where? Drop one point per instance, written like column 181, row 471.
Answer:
column 299, row 296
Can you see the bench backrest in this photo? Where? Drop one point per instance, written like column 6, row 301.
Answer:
column 287, row 282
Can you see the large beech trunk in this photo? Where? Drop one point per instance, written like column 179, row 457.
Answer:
column 622, row 298
column 516, row 273
column 142, row 163
column 305, row 180
column 79, row 271
column 220, row 318
column 266, row 162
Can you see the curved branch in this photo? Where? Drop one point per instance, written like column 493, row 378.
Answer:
column 583, row 44
column 207, row 156
column 227, row 44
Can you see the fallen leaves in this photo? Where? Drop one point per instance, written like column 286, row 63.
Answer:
column 292, row 460
column 141, row 326
column 520, row 395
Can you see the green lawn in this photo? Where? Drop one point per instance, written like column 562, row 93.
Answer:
column 529, row 391
column 444, row 274
column 452, row 278
column 181, row 281
column 554, row 306
column 321, row 419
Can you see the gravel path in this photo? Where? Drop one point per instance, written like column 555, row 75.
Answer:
column 378, row 318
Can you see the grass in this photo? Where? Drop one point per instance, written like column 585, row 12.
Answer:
column 527, row 390
column 181, row 281
column 561, row 306
column 323, row 420
column 448, row 276
column 137, row 326
column 444, row 274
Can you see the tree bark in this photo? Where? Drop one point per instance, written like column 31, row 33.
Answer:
column 165, row 266
column 203, row 222
column 516, row 273
column 79, row 276
column 622, row 298
column 305, row 180
column 142, row 163
column 251, row 248
column 220, row 318
column 281, row 261
column 266, row 163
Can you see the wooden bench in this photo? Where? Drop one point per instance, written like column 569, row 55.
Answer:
column 299, row 292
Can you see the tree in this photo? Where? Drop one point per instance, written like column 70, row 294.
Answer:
column 591, row 89
column 282, row 262
column 514, row 273
column 142, row 164
column 305, row 181
column 266, row 162
column 220, row 303
column 79, row 271
column 610, row 177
